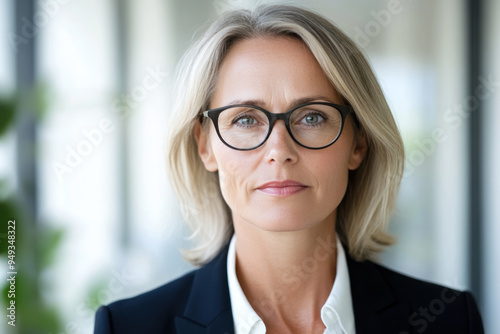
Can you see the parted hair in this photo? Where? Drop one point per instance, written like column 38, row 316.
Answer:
column 363, row 214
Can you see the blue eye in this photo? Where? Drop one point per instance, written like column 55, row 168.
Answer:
column 313, row 119
column 245, row 121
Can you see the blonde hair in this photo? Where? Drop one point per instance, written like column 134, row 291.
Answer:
column 363, row 214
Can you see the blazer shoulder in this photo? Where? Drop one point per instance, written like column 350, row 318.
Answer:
column 169, row 295
column 434, row 307
column 414, row 289
column 196, row 298
column 150, row 312
column 405, row 284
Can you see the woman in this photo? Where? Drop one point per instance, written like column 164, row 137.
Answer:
column 287, row 161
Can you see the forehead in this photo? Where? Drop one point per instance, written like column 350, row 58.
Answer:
column 273, row 69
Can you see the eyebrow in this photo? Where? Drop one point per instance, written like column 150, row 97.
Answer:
column 293, row 103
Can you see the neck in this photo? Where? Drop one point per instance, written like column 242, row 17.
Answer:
column 286, row 275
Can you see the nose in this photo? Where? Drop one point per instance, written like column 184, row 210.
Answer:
column 280, row 146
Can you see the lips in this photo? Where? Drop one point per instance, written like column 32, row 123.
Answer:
column 282, row 188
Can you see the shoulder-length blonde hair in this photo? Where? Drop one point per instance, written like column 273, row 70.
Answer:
column 363, row 214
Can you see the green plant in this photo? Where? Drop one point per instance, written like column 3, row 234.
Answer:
column 35, row 245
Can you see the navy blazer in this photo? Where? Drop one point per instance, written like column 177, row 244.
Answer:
column 383, row 302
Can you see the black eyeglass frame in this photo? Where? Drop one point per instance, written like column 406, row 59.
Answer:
column 213, row 114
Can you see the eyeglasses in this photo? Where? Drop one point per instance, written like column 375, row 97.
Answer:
column 314, row 125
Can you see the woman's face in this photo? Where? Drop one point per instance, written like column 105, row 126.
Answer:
column 279, row 186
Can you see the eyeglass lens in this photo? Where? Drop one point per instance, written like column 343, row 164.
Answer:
column 313, row 125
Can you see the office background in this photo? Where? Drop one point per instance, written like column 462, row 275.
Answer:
column 85, row 90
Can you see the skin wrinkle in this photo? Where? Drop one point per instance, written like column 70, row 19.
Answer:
column 275, row 234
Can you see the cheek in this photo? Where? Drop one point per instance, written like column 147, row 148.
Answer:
column 228, row 181
column 332, row 175
column 234, row 176
column 230, row 171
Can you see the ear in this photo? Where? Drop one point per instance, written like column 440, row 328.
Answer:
column 202, row 136
column 359, row 149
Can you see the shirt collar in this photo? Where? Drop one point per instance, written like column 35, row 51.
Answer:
column 338, row 306
column 337, row 310
column 246, row 320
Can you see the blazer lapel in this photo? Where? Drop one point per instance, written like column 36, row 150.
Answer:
column 208, row 310
column 376, row 308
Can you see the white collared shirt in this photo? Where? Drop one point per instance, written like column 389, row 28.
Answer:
column 337, row 313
